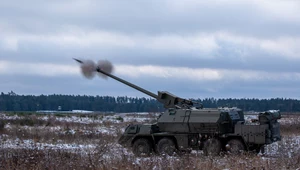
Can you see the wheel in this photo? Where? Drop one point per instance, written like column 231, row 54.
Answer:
column 235, row 146
column 260, row 149
column 166, row 146
column 212, row 147
column 142, row 147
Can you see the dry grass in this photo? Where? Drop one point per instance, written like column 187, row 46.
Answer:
column 290, row 124
column 79, row 145
column 61, row 159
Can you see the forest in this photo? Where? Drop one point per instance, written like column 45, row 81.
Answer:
column 13, row 102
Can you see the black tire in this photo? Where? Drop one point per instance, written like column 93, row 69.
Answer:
column 212, row 147
column 142, row 147
column 235, row 146
column 166, row 146
column 260, row 149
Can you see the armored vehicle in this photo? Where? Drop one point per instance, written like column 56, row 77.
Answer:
column 186, row 125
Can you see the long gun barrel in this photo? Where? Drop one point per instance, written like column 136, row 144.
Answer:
column 128, row 83
column 169, row 100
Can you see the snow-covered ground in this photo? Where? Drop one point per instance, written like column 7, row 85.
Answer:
column 84, row 134
column 124, row 117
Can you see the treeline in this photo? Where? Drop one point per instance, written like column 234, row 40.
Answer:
column 282, row 104
column 14, row 102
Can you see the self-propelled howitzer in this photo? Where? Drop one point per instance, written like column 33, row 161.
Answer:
column 184, row 126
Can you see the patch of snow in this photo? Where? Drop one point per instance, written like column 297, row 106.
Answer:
column 288, row 146
column 82, row 111
column 30, row 144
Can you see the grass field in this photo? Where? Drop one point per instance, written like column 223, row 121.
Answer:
column 89, row 141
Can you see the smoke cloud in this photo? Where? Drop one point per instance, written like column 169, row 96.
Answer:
column 89, row 68
column 106, row 66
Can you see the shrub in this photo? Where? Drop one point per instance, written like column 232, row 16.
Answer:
column 120, row 118
column 60, row 115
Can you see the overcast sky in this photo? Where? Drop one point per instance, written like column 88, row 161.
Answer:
column 191, row 48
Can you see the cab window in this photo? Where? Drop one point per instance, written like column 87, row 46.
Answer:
column 172, row 111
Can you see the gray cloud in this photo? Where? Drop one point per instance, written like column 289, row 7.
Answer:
column 251, row 47
column 247, row 17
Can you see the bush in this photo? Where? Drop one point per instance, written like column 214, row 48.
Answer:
column 60, row 115
column 26, row 122
column 120, row 118
column 31, row 121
